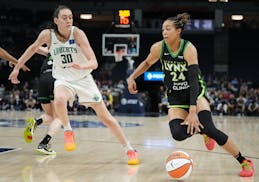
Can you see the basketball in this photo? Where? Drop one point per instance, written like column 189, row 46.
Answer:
column 179, row 165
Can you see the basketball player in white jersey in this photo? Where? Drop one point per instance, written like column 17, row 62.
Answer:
column 73, row 61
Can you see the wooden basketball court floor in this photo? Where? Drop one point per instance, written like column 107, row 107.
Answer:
column 99, row 157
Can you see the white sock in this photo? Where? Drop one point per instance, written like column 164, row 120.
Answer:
column 67, row 127
column 127, row 146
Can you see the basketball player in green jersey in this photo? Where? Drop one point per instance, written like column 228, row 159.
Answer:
column 73, row 61
column 189, row 109
column 45, row 98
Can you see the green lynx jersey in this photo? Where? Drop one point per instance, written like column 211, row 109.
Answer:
column 46, row 82
column 175, row 69
column 46, row 65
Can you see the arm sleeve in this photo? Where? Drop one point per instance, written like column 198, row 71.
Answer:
column 193, row 73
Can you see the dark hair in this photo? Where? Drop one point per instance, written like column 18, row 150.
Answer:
column 180, row 20
column 55, row 15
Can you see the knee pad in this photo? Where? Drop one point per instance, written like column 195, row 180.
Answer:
column 210, row 129
column 178, row 131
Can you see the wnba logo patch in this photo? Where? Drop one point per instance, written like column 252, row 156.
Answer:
column 96, row 98
column 72, row 41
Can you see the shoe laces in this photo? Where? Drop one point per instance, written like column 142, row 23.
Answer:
column 46, row 146
column 246, row 165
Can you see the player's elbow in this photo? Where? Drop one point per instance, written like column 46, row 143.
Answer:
column 95, row 65
column 33, row 48
column 147, row 65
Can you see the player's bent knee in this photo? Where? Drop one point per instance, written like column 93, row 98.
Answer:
column 178, row 131
column 210, row 129
column 222, row 138
column 60, row 101
column 47, row 118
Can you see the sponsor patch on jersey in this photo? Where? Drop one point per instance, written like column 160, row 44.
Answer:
column 180, row 57
column 72, row 41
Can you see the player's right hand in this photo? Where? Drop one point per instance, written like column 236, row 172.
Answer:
column 13, row 76
column 25, row 68
column 132, row 86
column 193, row 123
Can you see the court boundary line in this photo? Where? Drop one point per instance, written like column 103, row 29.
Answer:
column 9, row 151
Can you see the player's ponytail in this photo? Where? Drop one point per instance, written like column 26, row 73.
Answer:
column 180, row 20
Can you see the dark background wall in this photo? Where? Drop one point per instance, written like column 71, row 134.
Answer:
column 243, row 54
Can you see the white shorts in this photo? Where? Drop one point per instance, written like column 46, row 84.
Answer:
column 85, row 88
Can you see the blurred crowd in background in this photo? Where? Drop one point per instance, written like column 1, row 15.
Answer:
column 234, row 97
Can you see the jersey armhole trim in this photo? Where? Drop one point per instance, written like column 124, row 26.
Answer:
column 186, row 45
column 162, row 49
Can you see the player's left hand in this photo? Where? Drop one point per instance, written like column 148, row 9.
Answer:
column 13, row 76
column 132, row 86
column 193, row 123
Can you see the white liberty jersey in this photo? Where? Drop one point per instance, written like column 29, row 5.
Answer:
column 64, row 54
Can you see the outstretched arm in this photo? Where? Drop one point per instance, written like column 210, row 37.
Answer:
column 8, row 57
column 192, row 120
column 151, row 59
column 43, row 38
column 191, row 57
